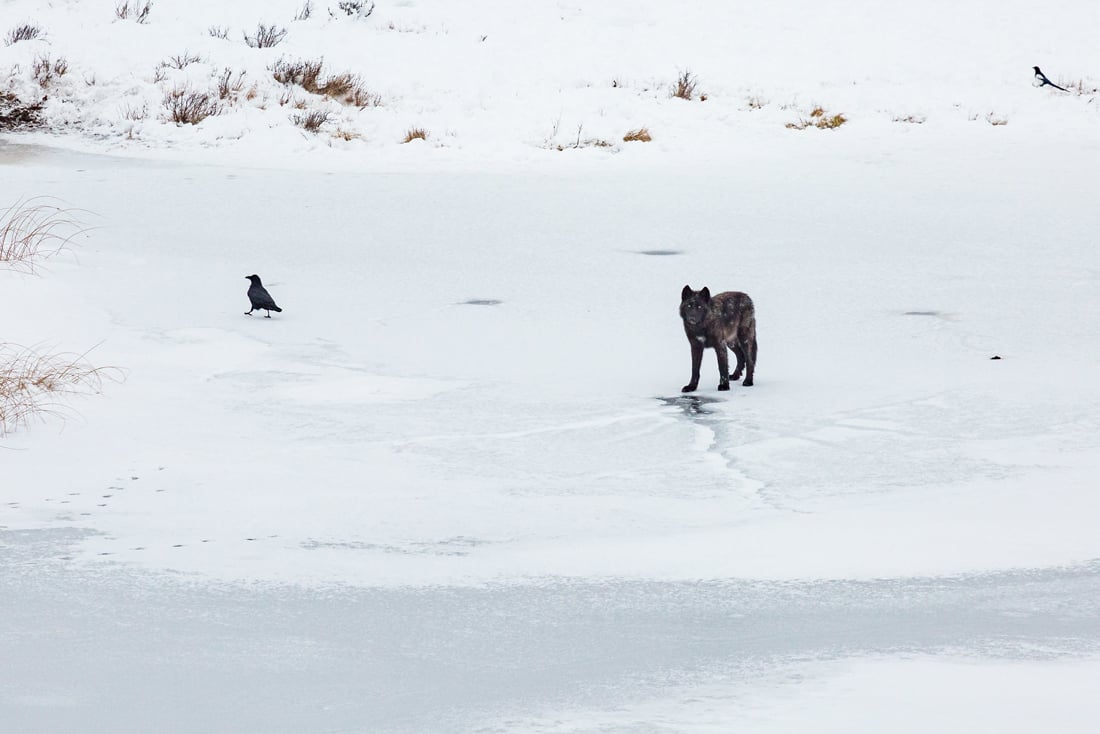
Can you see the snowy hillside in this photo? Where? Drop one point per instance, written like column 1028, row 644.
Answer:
column 454, row 485
column 493, row 82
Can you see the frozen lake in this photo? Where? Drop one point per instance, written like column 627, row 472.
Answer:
column 454, row 486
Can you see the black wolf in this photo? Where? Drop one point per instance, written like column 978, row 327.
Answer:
column 260, row 298
column 721, row 321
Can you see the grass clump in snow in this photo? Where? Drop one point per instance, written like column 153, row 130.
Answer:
column 641, row 135
column 187, row 106
column 266, row 36
column 218, row 31
column 137, row 10
column 820, row 119
column 180, row 61
column 24, row 32
column 415, row 133
column 32, row 382
column 45, row 70
column 305, row 12
column 354, row 8
column 345, row 87
column 685, row 86
column 229, row 88
column 32, row 231
column 312, row 120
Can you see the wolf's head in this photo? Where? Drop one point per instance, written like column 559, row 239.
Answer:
column 694, row 305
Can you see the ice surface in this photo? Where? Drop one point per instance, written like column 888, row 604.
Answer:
column 454, row 486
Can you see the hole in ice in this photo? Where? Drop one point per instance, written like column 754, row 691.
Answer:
column 691, row 405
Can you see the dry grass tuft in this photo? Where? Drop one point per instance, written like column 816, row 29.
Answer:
column 357, row 8
column 32, row 230
column 25, row 32
column 820, row 119
column 685, row 86
column 45, row 70
column 312, row 120
column 229, row 88
column 266, row 36
column 641, row 135
column 180, row 61
column 346, row 88
column 218, row 31
column 138, row 10
column 415, row 133
column 911, row 119
column 305, row 12
column 186, row 106
column 32, row 383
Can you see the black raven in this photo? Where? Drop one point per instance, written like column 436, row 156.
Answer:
column 260, row 298
column 1042, row 81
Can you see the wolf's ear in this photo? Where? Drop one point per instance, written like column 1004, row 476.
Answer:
column 685, row 293
column 705, row 294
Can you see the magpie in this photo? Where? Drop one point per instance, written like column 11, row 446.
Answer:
column 1042, row 81
column 260, row 298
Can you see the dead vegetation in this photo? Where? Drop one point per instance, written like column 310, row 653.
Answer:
column 218, row 31
column 266, row 36
column 911, row 119
column 820, row 119
column 19, row 114
column 685, row 86
column 641, row 135
column 305, row 12
column 312, row 120
column 346, row 87
column 33, row 230
column 32, row 383
column 415, row 133
column 137, row 10
column 354, row 8
column 24, row 32
column 230, row 87
column 188, row 106
column 181, row 61
column 46, row 70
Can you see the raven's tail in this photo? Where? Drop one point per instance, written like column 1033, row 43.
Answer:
column 276, row 309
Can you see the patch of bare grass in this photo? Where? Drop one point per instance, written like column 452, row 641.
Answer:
column 641, row 135
column 820, row 119
column 24, row 32
column 188, row 106
column 685, row 86
column 346, row 87
column 312, row 120
column 34, row 230
column 46, row 70
column 32, row 383
column 266, row 36
column 137, row 10
column 19, row 114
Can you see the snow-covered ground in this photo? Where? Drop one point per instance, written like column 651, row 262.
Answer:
column 454, row 485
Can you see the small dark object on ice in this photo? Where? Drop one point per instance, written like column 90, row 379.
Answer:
column 260, row 298
column 1042, row 81
column 995, row 356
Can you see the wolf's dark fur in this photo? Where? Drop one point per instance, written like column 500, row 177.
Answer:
column 725, row 320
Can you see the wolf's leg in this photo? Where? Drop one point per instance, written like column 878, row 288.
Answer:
column 748, row 346
column 696, row 363
column 723, row 367
column 740, row 354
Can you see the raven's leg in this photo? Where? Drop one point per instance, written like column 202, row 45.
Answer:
column 249, row 311
column 268, row 314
